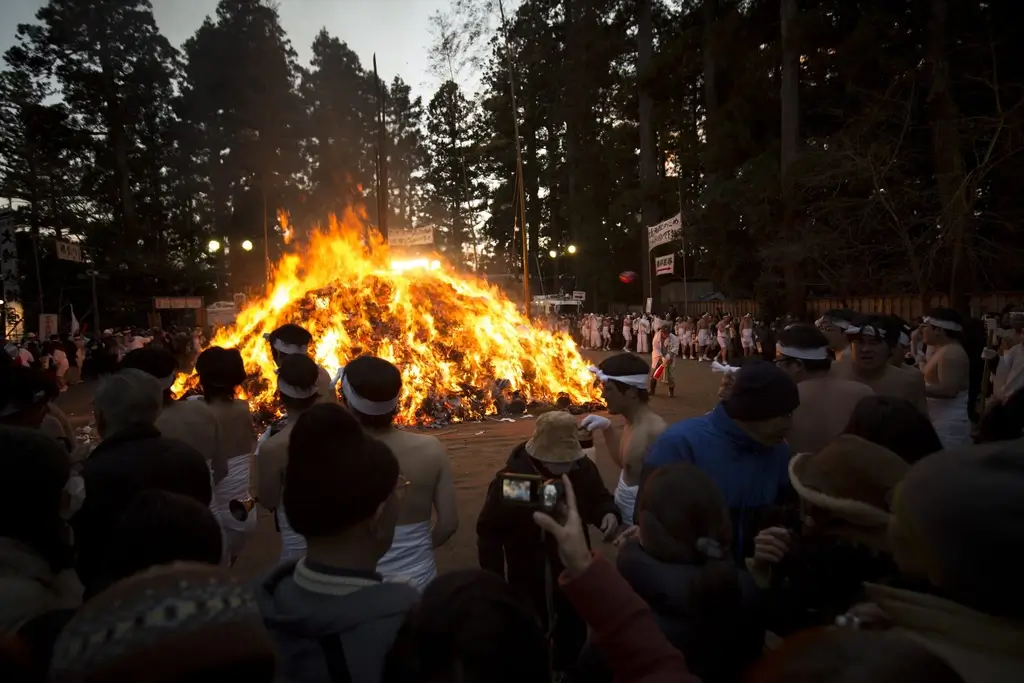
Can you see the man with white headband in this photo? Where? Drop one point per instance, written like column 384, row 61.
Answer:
column 623, row 379
column 371, row 388
column 826, row 401
column 834, row 324
column 872, row 340
column 947, row 377
column 289, row 340
column 297, row 388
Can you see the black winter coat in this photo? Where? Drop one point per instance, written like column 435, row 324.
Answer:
column 129, row 462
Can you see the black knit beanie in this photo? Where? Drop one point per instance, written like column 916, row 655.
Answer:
column 761, row 391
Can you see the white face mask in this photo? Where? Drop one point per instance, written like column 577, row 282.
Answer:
column 74, row 496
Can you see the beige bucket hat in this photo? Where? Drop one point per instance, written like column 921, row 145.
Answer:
column 554, row 438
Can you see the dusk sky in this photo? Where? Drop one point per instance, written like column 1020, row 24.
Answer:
column 397, row 30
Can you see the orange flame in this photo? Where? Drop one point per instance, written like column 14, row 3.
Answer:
column 449, row 334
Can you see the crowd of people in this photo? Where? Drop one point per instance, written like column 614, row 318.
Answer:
column 828, row 520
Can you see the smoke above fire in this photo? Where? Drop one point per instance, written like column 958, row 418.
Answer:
column 462, row 347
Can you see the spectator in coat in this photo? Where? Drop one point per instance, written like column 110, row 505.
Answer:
column 741, row 446
column 814, row 569
column 681, row 565
column 507, row 536
column 132, row 457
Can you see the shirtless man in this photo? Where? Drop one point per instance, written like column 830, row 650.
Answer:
column 834, row 325
column 298, row 391
column 947, row 377
column 371, row 387
column 722, row 330
column 290, row 339
column 871, row 344
column 686, row 339
column 747, row 334
column 826, row 402
column 624, row 380
column 703, row 336
column 627, row 331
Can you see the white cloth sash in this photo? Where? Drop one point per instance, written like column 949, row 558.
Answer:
column 950, row 419
column 411, row 556
column 293, row 546
column 234, row 486
column 625, row 499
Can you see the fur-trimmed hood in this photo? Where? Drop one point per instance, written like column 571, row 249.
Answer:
column 851, row 478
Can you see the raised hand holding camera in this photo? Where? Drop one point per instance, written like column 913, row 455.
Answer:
column 570, row 536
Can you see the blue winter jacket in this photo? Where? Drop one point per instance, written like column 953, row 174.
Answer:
column 752, row 477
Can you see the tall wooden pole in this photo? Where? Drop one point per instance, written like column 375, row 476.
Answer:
column 519, row 161
column 382, row 156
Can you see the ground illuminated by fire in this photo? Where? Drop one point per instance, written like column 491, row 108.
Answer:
column 452, row 336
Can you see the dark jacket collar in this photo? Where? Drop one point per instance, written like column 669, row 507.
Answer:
column 135, row 432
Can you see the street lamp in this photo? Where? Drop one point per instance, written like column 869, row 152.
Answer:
column 213, row 246
column 552, row 253
column 571, row 249
column 247, row 245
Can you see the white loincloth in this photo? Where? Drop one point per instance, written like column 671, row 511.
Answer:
column 234, row 486
column 625, row 499
column 723, row 341
column 293, row 546
column 411, row 556
column 702, row 337
column 950, row 419
column 747, row 338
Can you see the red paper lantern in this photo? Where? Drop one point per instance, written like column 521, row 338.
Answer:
column 628, row 277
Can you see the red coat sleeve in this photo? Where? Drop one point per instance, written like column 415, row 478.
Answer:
column 623, row 628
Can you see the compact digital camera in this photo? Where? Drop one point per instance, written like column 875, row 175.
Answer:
column 531, row 490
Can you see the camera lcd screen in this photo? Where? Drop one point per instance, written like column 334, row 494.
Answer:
column 517, row 490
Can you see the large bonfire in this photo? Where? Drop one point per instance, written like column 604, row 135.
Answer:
column 464, row 350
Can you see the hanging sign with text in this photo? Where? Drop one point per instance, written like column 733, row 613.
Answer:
column 665, row 265
column 411, row 237
column 664, row 232
column 579, row 295
column 177, row 302
column 10, row 283
column 66, row 251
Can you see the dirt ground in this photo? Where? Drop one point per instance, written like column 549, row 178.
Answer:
column 478, row 451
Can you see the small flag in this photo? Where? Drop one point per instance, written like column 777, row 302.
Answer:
column 74, row 322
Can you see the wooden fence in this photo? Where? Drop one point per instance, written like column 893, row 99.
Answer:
column 906, row 307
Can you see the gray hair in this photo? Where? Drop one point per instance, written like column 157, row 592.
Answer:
column 126, row 398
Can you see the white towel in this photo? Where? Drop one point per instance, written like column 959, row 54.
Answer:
column 950, row 419
column 411, row 556
column 625, row 499
column 293, row 546
column 234, row 486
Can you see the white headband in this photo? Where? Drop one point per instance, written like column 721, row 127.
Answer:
column 820, row 353
column 286, row 348
column 722, row 367
column 363, row 405
column 635, row 381
column 293, row 391
column 944, row 324
column 168, row 381
column 825, row 320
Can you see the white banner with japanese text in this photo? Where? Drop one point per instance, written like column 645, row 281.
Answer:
column 664, row 232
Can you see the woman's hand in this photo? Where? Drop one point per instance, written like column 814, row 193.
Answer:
column 571, row 539
column 629, row 533
column 771, row 545
column 609, row 526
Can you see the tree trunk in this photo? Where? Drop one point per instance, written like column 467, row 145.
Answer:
column 949, row 162
column 648, row 153
column 532, row 188
column 574, row 109
column 796, row 300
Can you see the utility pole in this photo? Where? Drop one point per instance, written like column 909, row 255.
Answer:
column 519, row 161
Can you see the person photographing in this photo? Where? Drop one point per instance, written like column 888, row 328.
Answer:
column 508, row 537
